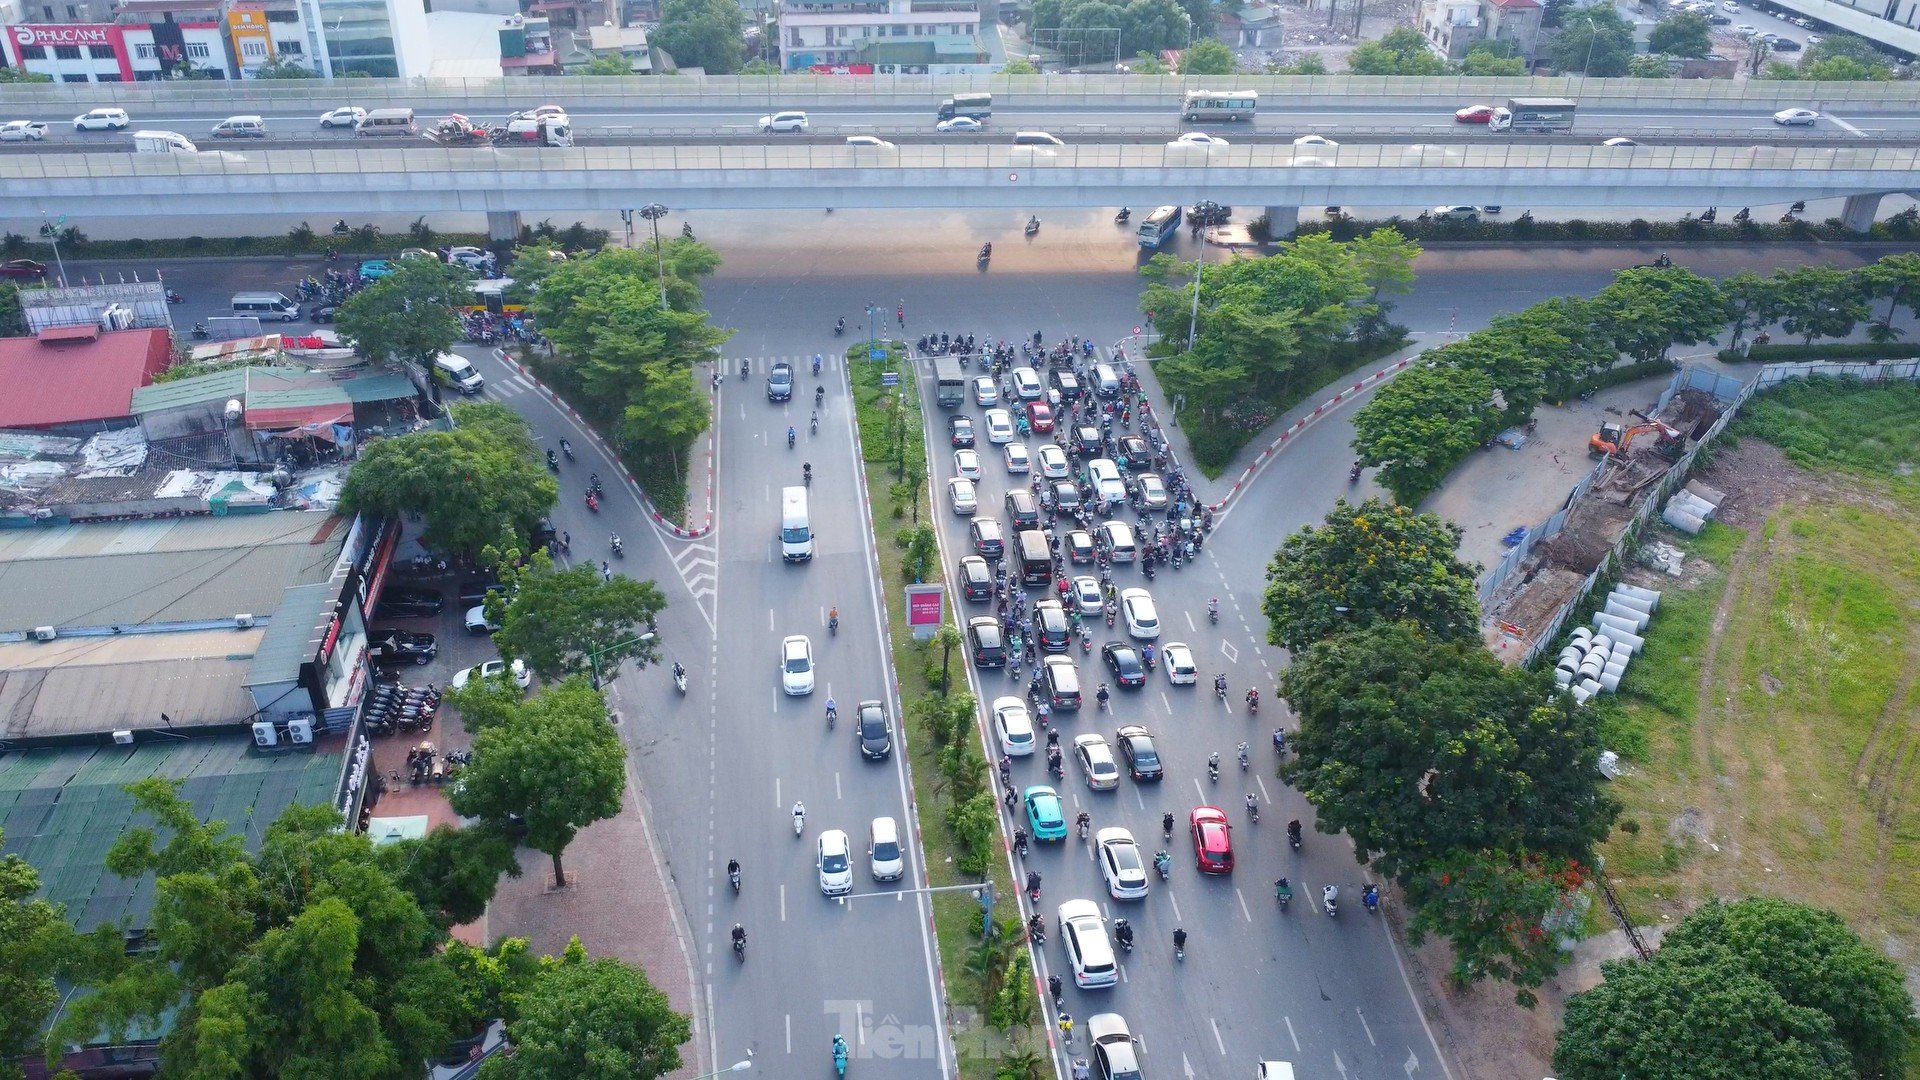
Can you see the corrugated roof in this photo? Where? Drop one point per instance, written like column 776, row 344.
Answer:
column 368, row 388
column 63, row 808
column 160, row 571
column 194, row 391
column 67, row 382
column 293, row 638
column 94, row 685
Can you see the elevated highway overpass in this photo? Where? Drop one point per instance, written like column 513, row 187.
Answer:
column 770, row 175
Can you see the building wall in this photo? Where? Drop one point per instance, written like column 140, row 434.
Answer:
column 1521, row 26
column 1451, row 26
column 115, row 52
column 832, row 32
column 380, row 38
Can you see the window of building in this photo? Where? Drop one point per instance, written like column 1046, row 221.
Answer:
column 198, row 50
column 793, row 38
column 100, row 52
column 74, row 78
column 66, row 52
column 112, row 76
column 144, row 51
column 73, row 11
column 283, row 16
column 34, row 52
column 46, row 11
column 289, row 48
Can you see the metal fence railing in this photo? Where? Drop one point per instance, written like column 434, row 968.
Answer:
column 1725, row 389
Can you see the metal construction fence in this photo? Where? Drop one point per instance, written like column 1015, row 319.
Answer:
column 1026, row 91
column 1735, row 395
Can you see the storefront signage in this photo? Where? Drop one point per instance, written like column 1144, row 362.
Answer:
column 75, row 34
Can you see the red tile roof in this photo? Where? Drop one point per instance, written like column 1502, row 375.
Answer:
column 55, row 379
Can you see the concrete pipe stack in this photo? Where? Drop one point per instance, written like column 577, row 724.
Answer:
column 1691, row 507
column 1596, row 657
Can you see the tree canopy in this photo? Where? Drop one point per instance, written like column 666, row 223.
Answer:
column 1401, row 52
column 1417, row 427
column 1596, row 40
column 1653, row 308
column 1208, row 57
column 591, row 1020
column 1488, row 59
column 556, row 763
column 1685, row 34
column 556, row 619
column 703, row 34
column 1419, row 747
column 410, row 314
column 1836, row 57
column 36, row 945
column 1377, row 562
column 480, row 485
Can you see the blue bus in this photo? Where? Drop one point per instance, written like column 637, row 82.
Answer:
column 1159, row 225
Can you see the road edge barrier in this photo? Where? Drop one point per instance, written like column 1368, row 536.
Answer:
column 1261, row 460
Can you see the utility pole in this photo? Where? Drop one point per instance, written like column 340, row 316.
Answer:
column 654, row 212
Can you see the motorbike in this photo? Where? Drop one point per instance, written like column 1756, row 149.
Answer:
column 1121, row 217
column 680, row 678
column 740, row 949
column 1283, row 893
column 1033, row 887
column 986, row 254
column 1330, row 898
column 790, row 438
column 1163, row 863
column 743, row 369
column 799, row 820
column 1370, row 898
column 1243, row 757
column 1253, row 706
column 733, row 878
column 839, row 1056
column 553, row 461
column 839, row 327
column 567, row 449
column 1037, row 932
column 1253, row 808
column 1293, row 835
column 619, row 549
column 1353, row 474
column 806, row 475
column 200, row 331
column 175, row 298
column 1033, row 226
column 593, row 502
column 1213, row 613
column 1220, row 688
column 686, row 230
column 1124, row 939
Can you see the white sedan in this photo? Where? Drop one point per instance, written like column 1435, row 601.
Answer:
column 1121, row 864
column 1142, row 620
column 834, row 858
column 796, row 665
column 1053, row 462
column 965, row 499
column 959, row 123
column 999, row 426
column 985, row 394
column 1095, row 756
column 1153, row 493
column 1198, row 139
column 1314, row 140
column 1795, row 116
column 1086, row 595
column 1181, row 669
column 1013, row 726
column 344, row 116
column 967, row 463
column 1018, row 460
column 873, row 141
column 491, row 668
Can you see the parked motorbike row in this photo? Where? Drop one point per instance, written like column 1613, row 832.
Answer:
column 487, row 328
column 425, row 765
column 393, row 707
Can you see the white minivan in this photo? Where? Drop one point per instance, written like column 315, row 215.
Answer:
column 458, row 373
column 265, row 306
column 883, row 850
column 796, row 528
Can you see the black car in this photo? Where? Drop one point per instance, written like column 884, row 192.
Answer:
column 1136, row 749
column 1067, row 383
column 1022, row 511
column 976, row 578
column 780, row 382
column 476, row 592
column 1134, row 453
column 324, row 313
column 987, row 539
column 1086, row 440
column 1066, row 496
column 962, row 428
column 1050, row 626
column 1124, row 661
column 872, row 732
column 984, row 641
column 396, row 646
column 1784, row 45
column 408, row 604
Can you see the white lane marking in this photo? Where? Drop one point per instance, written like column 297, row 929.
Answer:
column 1292, row 1034
column 1849, row 128
column 789, row 1034
column 783, row 901
column 1217, row 1040
column 1244, row 912
column 1364, row 1026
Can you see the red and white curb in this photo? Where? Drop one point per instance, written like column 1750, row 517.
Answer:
column 660, row 520
column 1266, row 455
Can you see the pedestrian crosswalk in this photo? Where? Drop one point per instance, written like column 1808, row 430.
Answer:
column 802, row 364
column 510, row 387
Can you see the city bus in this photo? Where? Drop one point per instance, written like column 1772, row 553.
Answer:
column 1220, row 105
column 1160, row 225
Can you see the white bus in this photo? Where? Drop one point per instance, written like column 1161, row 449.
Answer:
column 1220, row 105
column 1160, row 225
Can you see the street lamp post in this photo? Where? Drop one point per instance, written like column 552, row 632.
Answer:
column 653, row 212
column 738, row 1066
column 593, row 663
column 51, row 230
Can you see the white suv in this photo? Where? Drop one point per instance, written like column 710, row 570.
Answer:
column 784, row 121
column 101, row 120
column 1083, row 934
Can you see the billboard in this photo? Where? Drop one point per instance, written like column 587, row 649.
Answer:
column 169, row 47
column 926, row 609
column 67, row 34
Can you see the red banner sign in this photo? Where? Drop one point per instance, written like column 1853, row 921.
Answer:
column 74, row 34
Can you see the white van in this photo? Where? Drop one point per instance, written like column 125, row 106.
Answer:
column 386, row 122
column 162, row 142
column 883, row 850
column 1275, row 1070
column 1106, row 381
column 455, row 371
column 1107, row 485
column 265, row 306
column 240, row 127
column 796, row 528
column 1035, row 138
column 1118, row 537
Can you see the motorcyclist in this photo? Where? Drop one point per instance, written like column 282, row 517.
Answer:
column 1282, row 889
column 1166, row 824
column 839, row 1049
column 833, row 619
column 1036, row 926
column 1253, row 805
column 593, row 482
column 614, row 542
column 1083, row 822
column 840, row 325
column 739, row 936
column 791, row 435
column 816, row 363
column 1213, row 761
column 1162, row 861
column 1220, row 684
column 1020, row 841
column 986, row 250
column 814, row 422
column 1213, row 609
column 1033, row 883
column 1179, row 938
column 806, row 472
column 1033, row 222
column 833, row 711
column 567, row 449
column 678, row 671
column 799, row 813
column 553, row 460
column 1293, row 832
column 733, row 872
column 1103, row 695
column 1123, row 933
column 1253, row 700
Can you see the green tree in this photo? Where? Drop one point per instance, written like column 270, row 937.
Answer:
column 16, row 75
column 1489, row 906
column 613, row 64
column 277, row 68
column 1304, row 64
column 1863, row 53
column 1019, row 65
column 703, row 34
column 1566, row 339
column 1420, row 747
column 1384, row 260
column 1693, row 1013
column 1837, row 69
column 479, row 485
column 452, row 873
column 1208, row 58
column 1813, row 960
column 1651, row 309
column 1554, row 12
column 597, row 1019
column 1652, row 66
column 13, row 319
column 409, row 315
column 556, row 619
column 1420, row 424
column 1492, row 58
column 1401, row 52
column 946, row 639
column 36, row 944
column 1145, row 25
column 559, row 765
column 1596, row 40
column 1365, row 565
column 1685, row 34
column 1753, row 302
column 1819, row 301
column 1894, row 278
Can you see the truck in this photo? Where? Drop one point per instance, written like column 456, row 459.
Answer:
column 949, row 382
column 540, row 130
column 978, row 106
column 1530, row 115
column 162, row 142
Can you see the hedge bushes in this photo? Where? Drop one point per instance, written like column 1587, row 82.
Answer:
column 1639, row 230
column 1829, row 350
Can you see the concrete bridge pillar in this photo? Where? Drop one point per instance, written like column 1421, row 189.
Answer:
column 503, row 226
column 1858, row 212
column 1282, row 221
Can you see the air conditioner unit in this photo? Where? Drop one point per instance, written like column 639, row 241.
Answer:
column 45, row 633
column 300, row 732
column 264, row 735
column 124, row 738
column 243, row 620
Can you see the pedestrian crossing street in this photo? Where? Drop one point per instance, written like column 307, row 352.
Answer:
column 510, row 387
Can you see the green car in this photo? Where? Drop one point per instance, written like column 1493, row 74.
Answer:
column 1044, row 813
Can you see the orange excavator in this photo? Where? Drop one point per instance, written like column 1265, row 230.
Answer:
column 1611, row 440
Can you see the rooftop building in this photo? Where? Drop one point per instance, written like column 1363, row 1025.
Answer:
column 77, row 379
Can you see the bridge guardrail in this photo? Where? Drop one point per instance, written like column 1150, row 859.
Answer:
column 762, row 93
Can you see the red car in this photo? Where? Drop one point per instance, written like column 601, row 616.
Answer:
column 1474, row 114
column 22, row 270
column 1040, row 416
column 1212, row 840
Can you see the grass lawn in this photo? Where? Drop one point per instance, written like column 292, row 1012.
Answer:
column 1776, row 692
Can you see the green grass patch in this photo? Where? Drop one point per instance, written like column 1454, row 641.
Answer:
column 1664, row 680
column 891, row 429
column 1861, row 427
